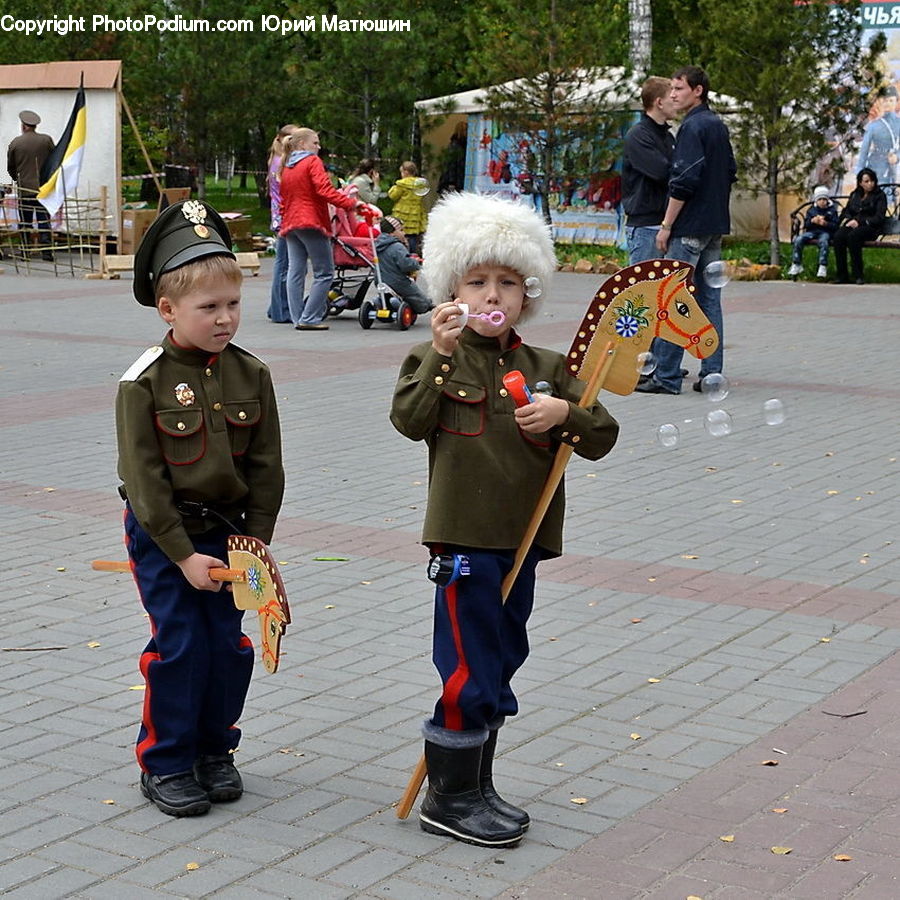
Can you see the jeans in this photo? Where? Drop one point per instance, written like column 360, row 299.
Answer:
column 641, row 241
column 699, row 250
column 278, row 304
column 823, row 239
column 308, row 245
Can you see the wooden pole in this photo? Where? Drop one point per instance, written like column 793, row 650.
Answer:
column 216, row 574
column 563, row 454
column 140, row 141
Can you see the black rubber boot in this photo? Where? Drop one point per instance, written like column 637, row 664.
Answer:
column 454, row 805
column 494, row 800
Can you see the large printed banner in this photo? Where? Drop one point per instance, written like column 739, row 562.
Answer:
column 879, row 143
column 586, row 208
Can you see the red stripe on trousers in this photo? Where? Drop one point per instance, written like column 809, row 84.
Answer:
column 150, row 740
column 458, row 680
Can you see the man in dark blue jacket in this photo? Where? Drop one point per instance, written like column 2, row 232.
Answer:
column 696, row 217
column 646, row 159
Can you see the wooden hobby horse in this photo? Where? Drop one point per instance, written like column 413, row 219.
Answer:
column 640, row 302
column 256, row 585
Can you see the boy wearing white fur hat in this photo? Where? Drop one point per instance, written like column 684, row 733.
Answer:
column 487, row 263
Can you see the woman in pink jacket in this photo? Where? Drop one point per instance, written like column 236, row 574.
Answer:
column 306, row 226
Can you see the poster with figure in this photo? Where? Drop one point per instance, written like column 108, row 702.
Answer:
column 879, row 138
column 586, row 207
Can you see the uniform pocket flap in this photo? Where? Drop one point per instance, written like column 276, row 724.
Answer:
column 242, row 412
column 179, row 422
column 462, row 392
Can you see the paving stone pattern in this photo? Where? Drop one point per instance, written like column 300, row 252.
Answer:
column 721, row 603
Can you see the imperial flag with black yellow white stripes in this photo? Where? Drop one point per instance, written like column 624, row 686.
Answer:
column 61, row 169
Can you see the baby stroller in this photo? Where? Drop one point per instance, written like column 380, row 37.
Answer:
column 356, row 269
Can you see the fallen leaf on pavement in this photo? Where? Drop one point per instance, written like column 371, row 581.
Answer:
column 689, row 556
column 781, row 851
column 780, row 809
column 192, row 866
column 727, row 838
column 579, row 800
column 634, row 736
column 769, row 762
column 653, row 680
column 850, row 715
column 842, row 857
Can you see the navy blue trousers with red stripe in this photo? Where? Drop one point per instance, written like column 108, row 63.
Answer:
column 197, row 664
column 479, row 642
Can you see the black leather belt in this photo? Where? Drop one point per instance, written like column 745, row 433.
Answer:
column 193, row 509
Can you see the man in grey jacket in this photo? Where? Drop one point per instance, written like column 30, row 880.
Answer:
column 696, row 217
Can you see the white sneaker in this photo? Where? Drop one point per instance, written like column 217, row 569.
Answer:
column 795, row 269
column 822, row 273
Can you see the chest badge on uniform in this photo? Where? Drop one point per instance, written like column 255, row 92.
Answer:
column 184, row 394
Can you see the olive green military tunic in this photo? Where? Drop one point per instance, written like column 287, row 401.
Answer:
column 197, row 427
column 485, row 473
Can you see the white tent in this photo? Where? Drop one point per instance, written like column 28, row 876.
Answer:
column 49, row 89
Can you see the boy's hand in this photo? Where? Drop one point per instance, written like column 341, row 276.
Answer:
column 445, row 328
column 542, row 415
column 196, row 569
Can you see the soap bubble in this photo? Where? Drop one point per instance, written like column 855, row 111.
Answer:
column 667, row 435
column 773, row 412
column 717, row 274
column 533, row 288
column 420, row 187
column 715, row 387
column 646, row 363
column 543, row 387
column 718, row 422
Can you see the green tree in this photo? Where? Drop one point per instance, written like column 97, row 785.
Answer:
column 363, row 84
column 800, row 77
column 559, row 98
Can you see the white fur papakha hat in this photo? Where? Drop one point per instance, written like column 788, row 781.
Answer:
column 466, row 230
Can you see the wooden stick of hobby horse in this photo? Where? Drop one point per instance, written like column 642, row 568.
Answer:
column 216, row 574
column 563, row 454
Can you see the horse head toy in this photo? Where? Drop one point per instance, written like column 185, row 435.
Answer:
column 640, row 302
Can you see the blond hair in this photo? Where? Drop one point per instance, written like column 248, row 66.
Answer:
column 278, row 144
column 187, row 278
column 409, row 167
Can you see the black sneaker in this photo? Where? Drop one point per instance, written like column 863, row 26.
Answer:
column 218, row 776
column 175, row 795
column 652, row 387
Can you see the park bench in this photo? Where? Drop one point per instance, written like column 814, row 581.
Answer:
column 889, row 239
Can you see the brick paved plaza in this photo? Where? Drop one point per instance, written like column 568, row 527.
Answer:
column 722, row 603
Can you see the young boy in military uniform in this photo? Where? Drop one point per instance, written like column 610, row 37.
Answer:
column 199, row 459
column 488, row 462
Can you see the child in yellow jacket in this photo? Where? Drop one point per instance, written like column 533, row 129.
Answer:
column 407, row 194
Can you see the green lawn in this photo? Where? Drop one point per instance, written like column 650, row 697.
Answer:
column 881, row 266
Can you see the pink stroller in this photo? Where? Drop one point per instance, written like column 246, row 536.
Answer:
column 356, row 268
